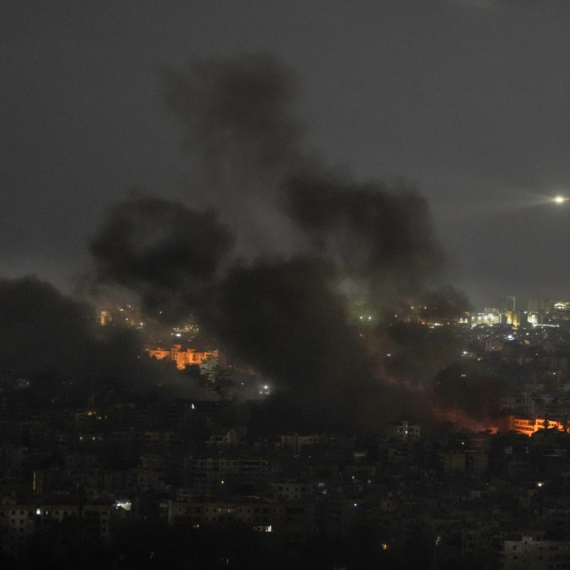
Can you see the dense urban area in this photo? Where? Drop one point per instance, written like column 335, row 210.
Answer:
column 106, row 475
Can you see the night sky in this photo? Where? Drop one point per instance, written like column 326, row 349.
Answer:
column 470, row 99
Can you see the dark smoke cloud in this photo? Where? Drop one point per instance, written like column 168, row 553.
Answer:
column 379, row 234
column 283, row 312
column 465, row 388
column 168, row 254
column 286, row 317
column 417, row 353
column 240, row 119
column 243, row 139
column 445, row 303
column 292, row 323
column 40, row 329
column 47, row 335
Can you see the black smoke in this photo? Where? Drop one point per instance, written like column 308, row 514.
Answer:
column 41, row 330
column 243, row 139
column 46, row 336
column 241, row 120
column 168, row 254
column 287, row 318
column 466, row 388
column 382, row 236
column 303, row 240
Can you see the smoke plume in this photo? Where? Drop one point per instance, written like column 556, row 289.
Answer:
column 381, row 236
column 243, row 138
column 301, row 235
column 168, row 254
column 40, row 329
column 287, row 318
column 45, row 335
column 240, row 119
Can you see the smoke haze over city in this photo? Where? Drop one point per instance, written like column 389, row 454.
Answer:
column 282, row 309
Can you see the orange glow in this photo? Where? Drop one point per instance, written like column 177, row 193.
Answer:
column 463, row 421
column 530, row 426
column 182, row 357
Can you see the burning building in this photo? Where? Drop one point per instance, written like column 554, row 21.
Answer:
column 529, row 426
column 184, row 357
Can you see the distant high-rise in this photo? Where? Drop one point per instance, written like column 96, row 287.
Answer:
column 507, row 304
column 540, row 305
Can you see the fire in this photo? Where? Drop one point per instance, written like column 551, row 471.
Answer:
column 530, row 426
column 463, row 421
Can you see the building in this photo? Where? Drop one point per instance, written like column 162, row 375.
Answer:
column 405, row 431
column 530, row 426
column 489, row 316
column 288, row 521
column 184, row 357
column 507, row 304
column 536, row 553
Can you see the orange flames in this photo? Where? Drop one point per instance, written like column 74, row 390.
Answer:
column 530, row 426
column 462, row 421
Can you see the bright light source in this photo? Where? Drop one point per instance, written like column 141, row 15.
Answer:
column 561, row 199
